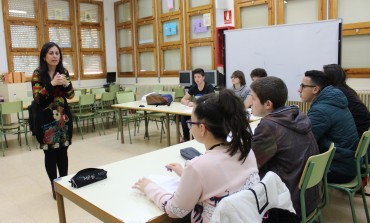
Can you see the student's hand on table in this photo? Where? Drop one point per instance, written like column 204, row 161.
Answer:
column 141, row 184
column 190, row 104
column 175, row 167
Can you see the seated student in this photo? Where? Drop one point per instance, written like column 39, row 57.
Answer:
column 225, row 168
column 258, row 73
column 283, row 140
column 198, row 89
column 255, row 75
column 331, row 122
column 240, row 87
column 361, row 115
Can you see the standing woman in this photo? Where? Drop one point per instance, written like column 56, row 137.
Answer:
column 224, row 169
column 51, row 86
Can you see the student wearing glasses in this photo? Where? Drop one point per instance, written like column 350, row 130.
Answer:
column 331, row 122
column 226, row 167
column 283, row 140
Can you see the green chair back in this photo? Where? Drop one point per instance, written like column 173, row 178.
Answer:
column 179, row 92
column 7, row 108
column 113, row 88
column 131, row 88
column 313, row 173
column 78, row 93
column 83, row 90
column 158, row 88
column 125, row 97
column 86, row 99
column 108, row 96
column 363, row 144
column 97, row 90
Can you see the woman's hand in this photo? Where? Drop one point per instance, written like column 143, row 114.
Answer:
column 175, row 167
column 64, row 80
column 141, row 184
column 58, row 79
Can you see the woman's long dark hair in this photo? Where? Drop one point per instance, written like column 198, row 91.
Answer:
column 43, row 66
column 337, row 76
column 224, row 113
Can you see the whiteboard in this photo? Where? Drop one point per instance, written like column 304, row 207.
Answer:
column 284, row 51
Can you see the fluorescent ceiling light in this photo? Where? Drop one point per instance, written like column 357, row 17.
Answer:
column 17, row 11
column 285, row 2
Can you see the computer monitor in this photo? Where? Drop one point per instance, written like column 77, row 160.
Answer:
column 185, row 78
column 211, row 77
column 111, row 77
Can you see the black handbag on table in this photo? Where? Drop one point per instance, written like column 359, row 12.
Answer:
column 88, row 176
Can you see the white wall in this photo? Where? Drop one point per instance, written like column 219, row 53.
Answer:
column 220, row 7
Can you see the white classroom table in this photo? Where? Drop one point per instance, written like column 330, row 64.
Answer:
column 176, row 108
column 113, row 199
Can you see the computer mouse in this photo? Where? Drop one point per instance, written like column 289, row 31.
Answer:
column 141, row 106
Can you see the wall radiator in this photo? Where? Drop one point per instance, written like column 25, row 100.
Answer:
column 364, row 96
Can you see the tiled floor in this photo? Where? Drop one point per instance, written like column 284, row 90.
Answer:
column 25, row 193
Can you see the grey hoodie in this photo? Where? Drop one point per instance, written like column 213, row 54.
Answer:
column 282, row 143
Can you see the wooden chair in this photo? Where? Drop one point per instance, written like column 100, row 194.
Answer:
column 313, row 174
column 356, row 184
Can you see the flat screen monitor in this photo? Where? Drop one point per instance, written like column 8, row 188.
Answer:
column 211, row 77
column 185, row 78
column 111, row 77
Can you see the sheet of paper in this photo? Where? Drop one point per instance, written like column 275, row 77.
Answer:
column 170, row 29
column 170, row 4
column 207, row 19
column 198, row 26
column 169, row 183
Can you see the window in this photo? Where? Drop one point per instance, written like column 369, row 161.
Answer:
column 60, row 28
column 27, row 30
column 91, row 36
column 250, row 14
column 124, row 38
column 290, row 11
column 23, row 30
column 146, row 38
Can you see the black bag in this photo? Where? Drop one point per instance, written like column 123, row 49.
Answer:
column 88, row 176
column 189, row 153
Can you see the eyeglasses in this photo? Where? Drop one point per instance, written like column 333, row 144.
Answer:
column 190, row 123
column 306, row 85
